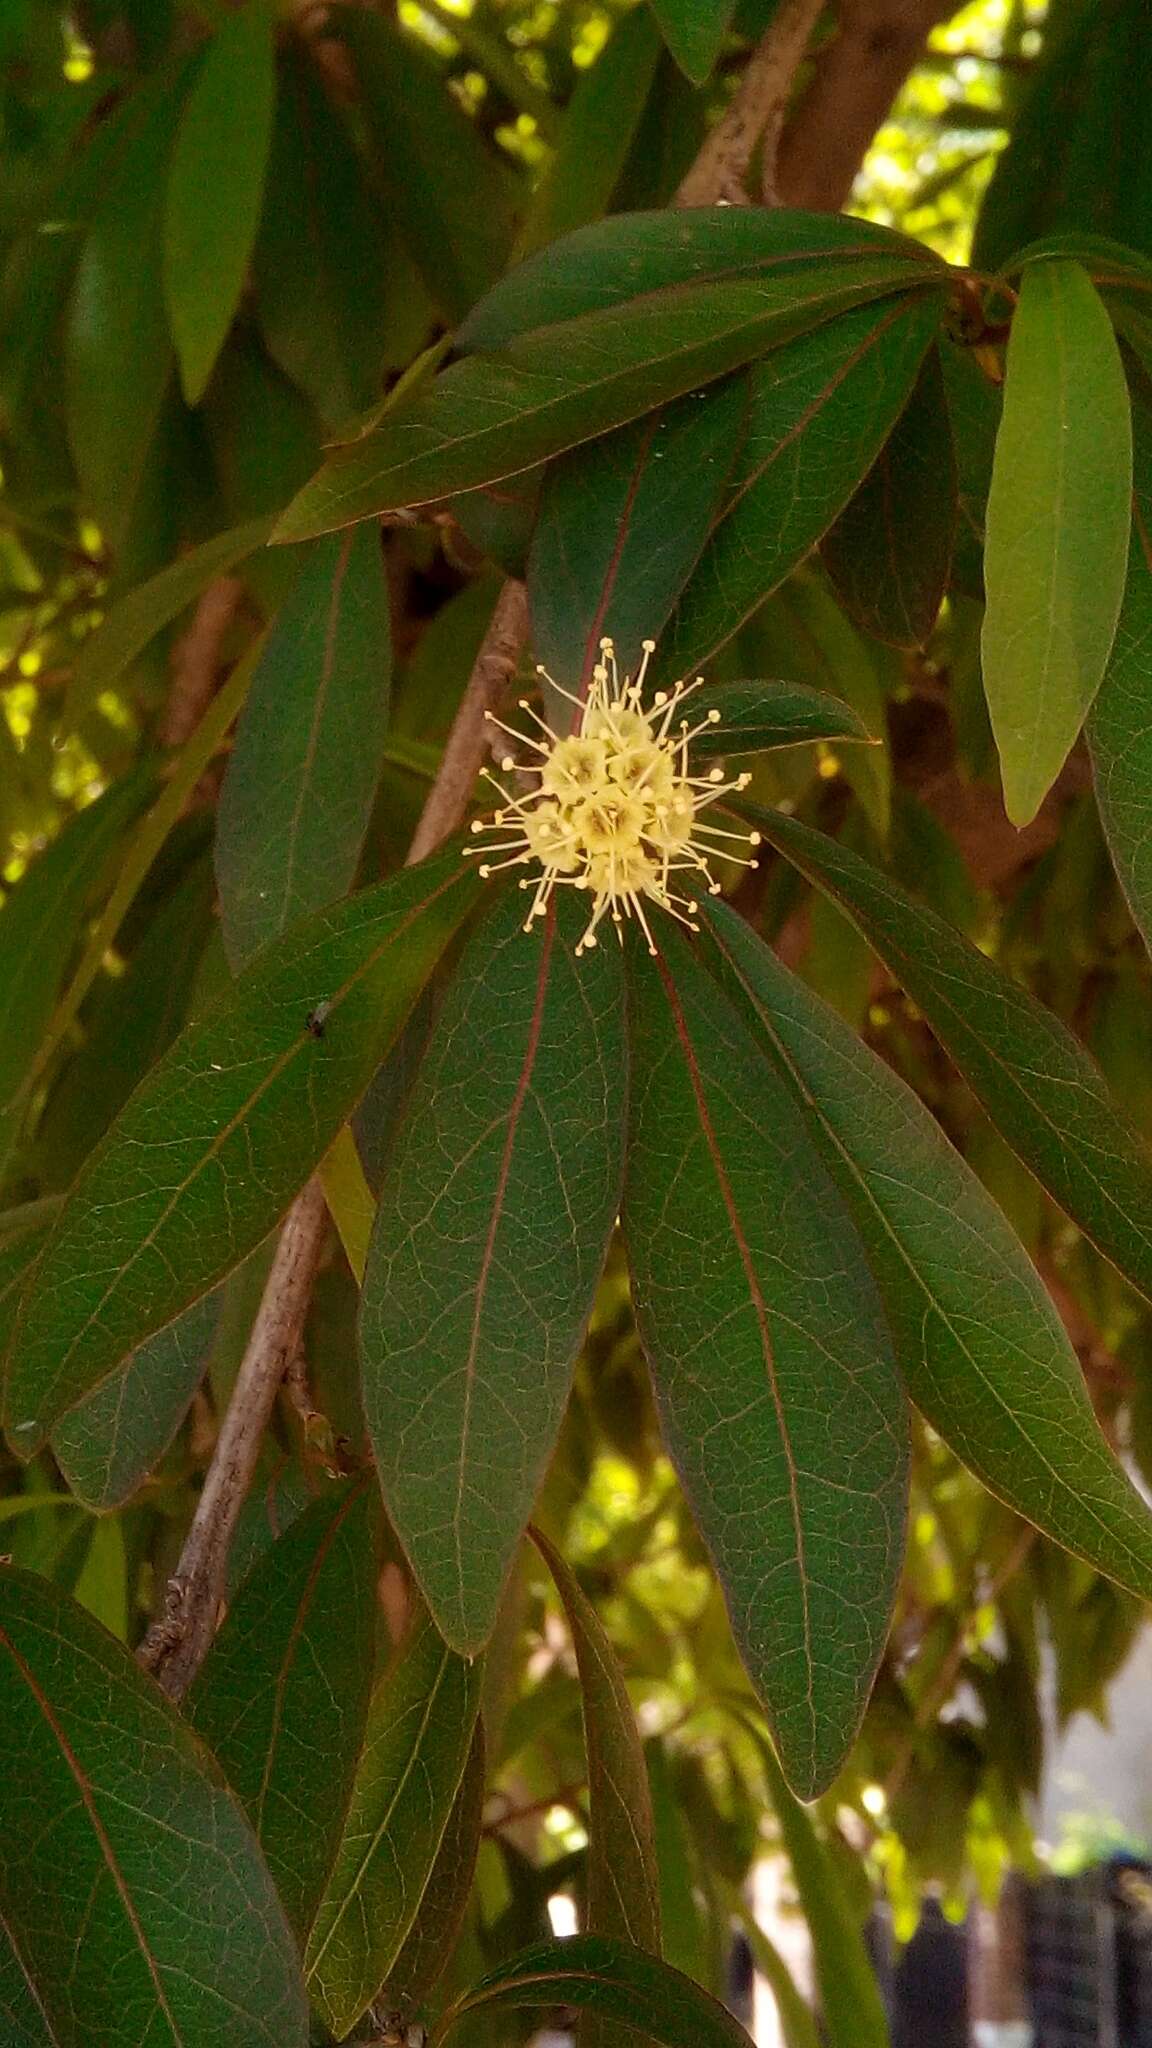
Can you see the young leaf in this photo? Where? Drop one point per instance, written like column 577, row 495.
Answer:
column 427, row 1946
column 416, row 1747
column 130, row 1883
column 209, row 1152
column 216, row 188
column 490, row 1234
column 620, row 526
column 301, row 781
column 771, row 1362
column 623, row 1881
column 108, row 1444
column 850, row 2001
column 1120, row 722
column 282, row 1699
column 1042, row 1090
column 890, row 551
column 493, row 415
column 1057, row 532
column 980, row 1346
column 448, row 192
column 821, row 411
column 40, row 922
column 694, row 31
column 607, row 1977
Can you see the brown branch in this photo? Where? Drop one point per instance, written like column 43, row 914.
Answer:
column 855, row 78
column 175, row 1646
column 196, row 660
column 468, row 740
column 756, row 109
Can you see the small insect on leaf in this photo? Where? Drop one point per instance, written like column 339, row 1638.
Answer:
column 316, row 1022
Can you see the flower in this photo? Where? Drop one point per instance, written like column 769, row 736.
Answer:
column 614, row 809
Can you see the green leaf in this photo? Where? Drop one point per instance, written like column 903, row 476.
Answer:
column 492, row 415
column 980, row 1346
column 132, row 1888
column 319, row 263
column 209, row 1152
column 634, row 255
column 493, row 1221
column 600, row 125
column 145, row 612
column 1057, row 532
column 975, row 405
column 282, row 1698
column 1041, row 1089
column 751, row 1293
column 428, row 1944
column 118, row 352
column 416, row 1747
column 623, row 1880
column 596, row 1974
column 797, row 2024
column 758, row 716
column 1120, row 723
column 449, row 195
column 300, row 785
column 40, row 924
column 621, row 524
column 216, row 188
column 890, row 552
column 108, row 1444
column 24, row 2023
column 822, row 409
column 850, row 2001
column 694, row 31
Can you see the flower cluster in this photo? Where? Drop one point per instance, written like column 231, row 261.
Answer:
column 614, row 809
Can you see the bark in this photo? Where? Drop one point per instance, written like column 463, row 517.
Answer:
column 855, row 78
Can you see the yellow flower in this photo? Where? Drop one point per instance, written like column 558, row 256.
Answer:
column 615, row 810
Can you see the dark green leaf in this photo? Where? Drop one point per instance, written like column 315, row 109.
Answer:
column 621, row 523
column 282, row 1698
column 416, row 1747
column 24, row 2021
column 216, row 188
column 494, row 1216
column 694, row 31
column 427, row 1947
column 1042, row 1090
column 493, row 415
column 623, row 1881
column 1057, row 532
column 822, row 409
column 319, row 260
column 118, row 351
column 608, row 1977
column 974, row 408
column 298, row 794
column 772, row 1364
column 981, row 1348
column 153, row 605
column 40, row 925
column 757, row 716
column 131, row 1885
column 600, row 124
column 634, row 255
column 890, row 551
column 210, row 1151
column 108, row 1444
column 450, row 196
column 1120, row 723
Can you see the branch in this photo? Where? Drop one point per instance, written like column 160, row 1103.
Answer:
column 855, row 78
column 196, row 660
column 175, row 1647
column 468, row 740
column 757, row 109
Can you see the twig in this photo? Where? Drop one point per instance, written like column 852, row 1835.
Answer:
column 175, row 1646
column 196, row 660
column 757, row 109
column 468, row 739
